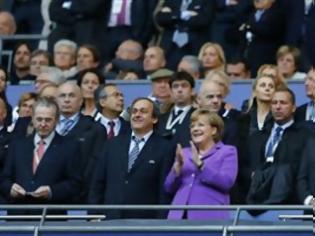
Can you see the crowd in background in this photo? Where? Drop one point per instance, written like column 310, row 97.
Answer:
column 73, row 140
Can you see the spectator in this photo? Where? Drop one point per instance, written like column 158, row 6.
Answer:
column 21, row 64
column 48, row 75
column 275, row 154
column 212, row 57
column 3, row 95
column 88, row 57
column 49, row 91
column 64, row 57
column 7, row 23
column 39, row 58
column 192, row 65
column 161, row 91
column 89, row 80
column 174, row 124
column 154, row 59
column 185, row 25
column 274, row 72
column 211, row 96
column 237, row 68
column 306, row 112
column 203, row 173
column 288, row 59
column 49, row 156
column 137, row 162
column 110, row 101
column 263, row 33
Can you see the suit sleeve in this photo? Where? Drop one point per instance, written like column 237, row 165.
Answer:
column 224, row 177
column 69, row 187
column 98, row 184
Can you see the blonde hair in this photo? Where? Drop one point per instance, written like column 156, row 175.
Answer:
column 219, row 51
column 221, row 78
column 279, row 79
column 214, row 120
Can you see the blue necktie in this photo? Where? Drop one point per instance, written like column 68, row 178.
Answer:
column 133, row 155
column 67, row 127
column 275, row 138
column 312, row 111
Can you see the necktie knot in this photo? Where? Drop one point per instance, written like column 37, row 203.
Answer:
column 137, row 140
column 278, row 131
column 180, row 111
column 111, row 124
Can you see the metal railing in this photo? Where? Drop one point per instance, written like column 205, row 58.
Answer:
column 225, row 229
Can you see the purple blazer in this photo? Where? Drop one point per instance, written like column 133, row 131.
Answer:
column 208, row 186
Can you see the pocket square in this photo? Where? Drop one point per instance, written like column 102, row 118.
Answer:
column 197, row 7
column 152, row 162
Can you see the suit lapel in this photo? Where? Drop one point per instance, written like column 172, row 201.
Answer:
column 124, row 153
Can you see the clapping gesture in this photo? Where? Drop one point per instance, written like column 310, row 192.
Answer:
column 179, row 160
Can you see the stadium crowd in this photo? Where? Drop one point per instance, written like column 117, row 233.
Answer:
column 74, row 141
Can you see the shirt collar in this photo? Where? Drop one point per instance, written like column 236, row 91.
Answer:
column 145, row 137
column 73, row 117
column 184, row 109
column 284, row 126
column 47, row 140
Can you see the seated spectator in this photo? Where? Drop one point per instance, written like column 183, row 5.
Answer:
column 21, row 64
column 87, row 57
column 3, row 95
column 49, row 91
column 7, row 23
column 154, row 59
column 64, row 57
column 88, row 81
column 39, row 58
column 288, row 59
column 212, row 57
column 48, row 75
column 203, row 173
column 274, row 72
column 161, row 91
column 237, row 68
column 192, row 65
column 52, row 158
column 128, row 59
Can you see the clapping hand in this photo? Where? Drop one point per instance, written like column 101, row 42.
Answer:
column 179, row 160
column 195, row 155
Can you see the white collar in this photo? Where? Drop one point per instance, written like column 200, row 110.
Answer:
column 145, row 137
column 47, row 140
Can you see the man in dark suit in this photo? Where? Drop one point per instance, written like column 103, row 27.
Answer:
column 82, row 21
column 185, row 24
column 132, row 167
column 306, row 175
column 41, row 168
column 73, row 125
column 274, row 155
column 211, row 96
column 305, row 113
column 110, row 101
column 175, row 124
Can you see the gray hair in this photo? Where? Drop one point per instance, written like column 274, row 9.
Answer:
column 100, row 93
column 47, row 102
column 194, row 62
column 55, row 75
column 66, row 43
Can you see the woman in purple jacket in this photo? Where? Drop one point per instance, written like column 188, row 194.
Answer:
column 204, row 173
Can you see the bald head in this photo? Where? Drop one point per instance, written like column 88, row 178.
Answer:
column 129, row 50
column 7, row 23
column 154, row 59
column 69, row 99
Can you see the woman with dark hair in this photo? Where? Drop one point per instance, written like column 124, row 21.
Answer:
column 87, row 57
column 3, row 86
column 21, row 64
column 88, row 81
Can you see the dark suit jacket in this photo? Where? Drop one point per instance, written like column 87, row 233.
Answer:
column 83, row 23
column 91, row 136
column 286, row 161
column 113, row 184
column 300, row 113
column 57, row 169
column 182, row 134
column 4, row 145
column 268, row 35
column 306, row 175
column 310, row 35
column 124, row 128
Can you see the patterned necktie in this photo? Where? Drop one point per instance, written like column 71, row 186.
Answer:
column 67, row 126
column 111, row 132
column 275, row 138
column 38, row 154
column 133, row 155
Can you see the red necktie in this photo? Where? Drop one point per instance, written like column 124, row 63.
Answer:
column 121, row 17
column 111, row 132
column 38, row 154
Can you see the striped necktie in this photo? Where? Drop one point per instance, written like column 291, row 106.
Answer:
column 133, row 155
